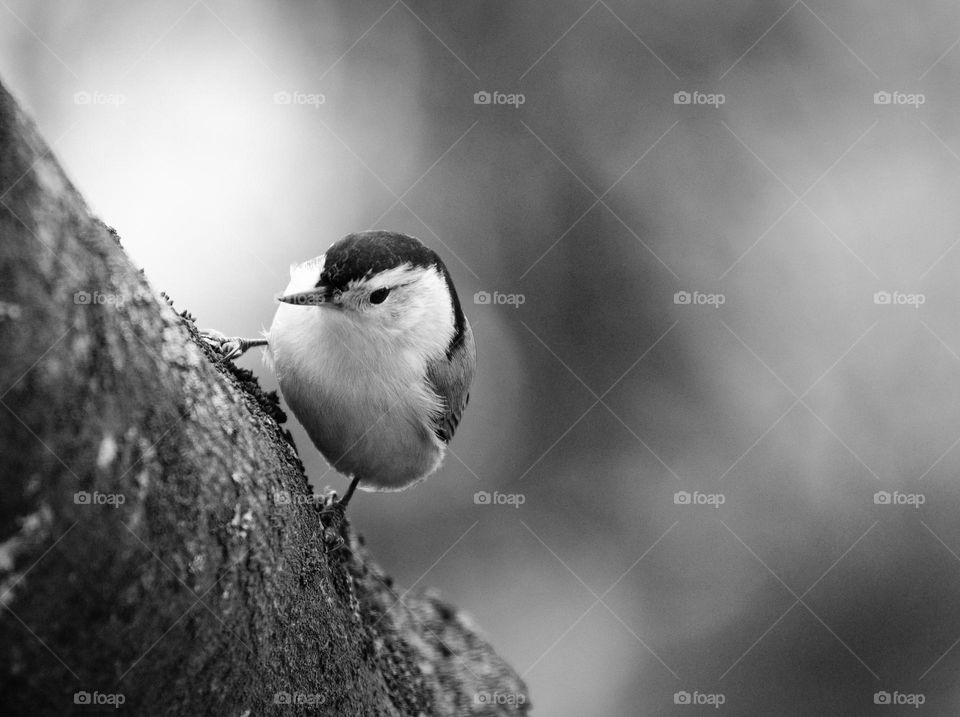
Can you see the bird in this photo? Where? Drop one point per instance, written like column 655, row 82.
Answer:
column 374, row 356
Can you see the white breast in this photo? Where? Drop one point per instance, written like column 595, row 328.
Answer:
column 361, row 397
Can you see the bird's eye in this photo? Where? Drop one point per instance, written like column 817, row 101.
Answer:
column 379, row 296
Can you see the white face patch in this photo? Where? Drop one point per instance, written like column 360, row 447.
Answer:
column 416, row 314
column 418, row 310
column 305, row 276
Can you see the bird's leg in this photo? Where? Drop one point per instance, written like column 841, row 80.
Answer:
column 342, row 504
column 334, row 504
column 332, row 538
column 229, row 347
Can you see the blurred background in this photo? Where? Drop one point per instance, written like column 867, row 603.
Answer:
column 710, row 255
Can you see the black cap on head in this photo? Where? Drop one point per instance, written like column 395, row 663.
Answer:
column 364, row 254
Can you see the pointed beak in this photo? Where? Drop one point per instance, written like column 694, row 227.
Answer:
column 318, row 296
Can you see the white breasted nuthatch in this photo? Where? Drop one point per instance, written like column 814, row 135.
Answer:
column 374, row 357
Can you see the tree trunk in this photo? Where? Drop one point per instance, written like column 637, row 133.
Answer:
column 160, row 549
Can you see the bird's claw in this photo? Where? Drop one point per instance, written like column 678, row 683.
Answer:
column 331, row 501
column 229, row 347
column 332, row 541
column 331, row 518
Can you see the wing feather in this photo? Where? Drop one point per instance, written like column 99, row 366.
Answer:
column 450, row 379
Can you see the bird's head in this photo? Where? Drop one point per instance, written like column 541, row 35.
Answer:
column 388, row 284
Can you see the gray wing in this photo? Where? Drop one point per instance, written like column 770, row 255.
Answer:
column 450, row 380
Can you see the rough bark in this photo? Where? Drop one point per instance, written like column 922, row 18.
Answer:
column 144, row 553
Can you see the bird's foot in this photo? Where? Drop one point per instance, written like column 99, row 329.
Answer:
column 332, row 515
column 330, row 501
column 229, row 347
column 332, row 541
